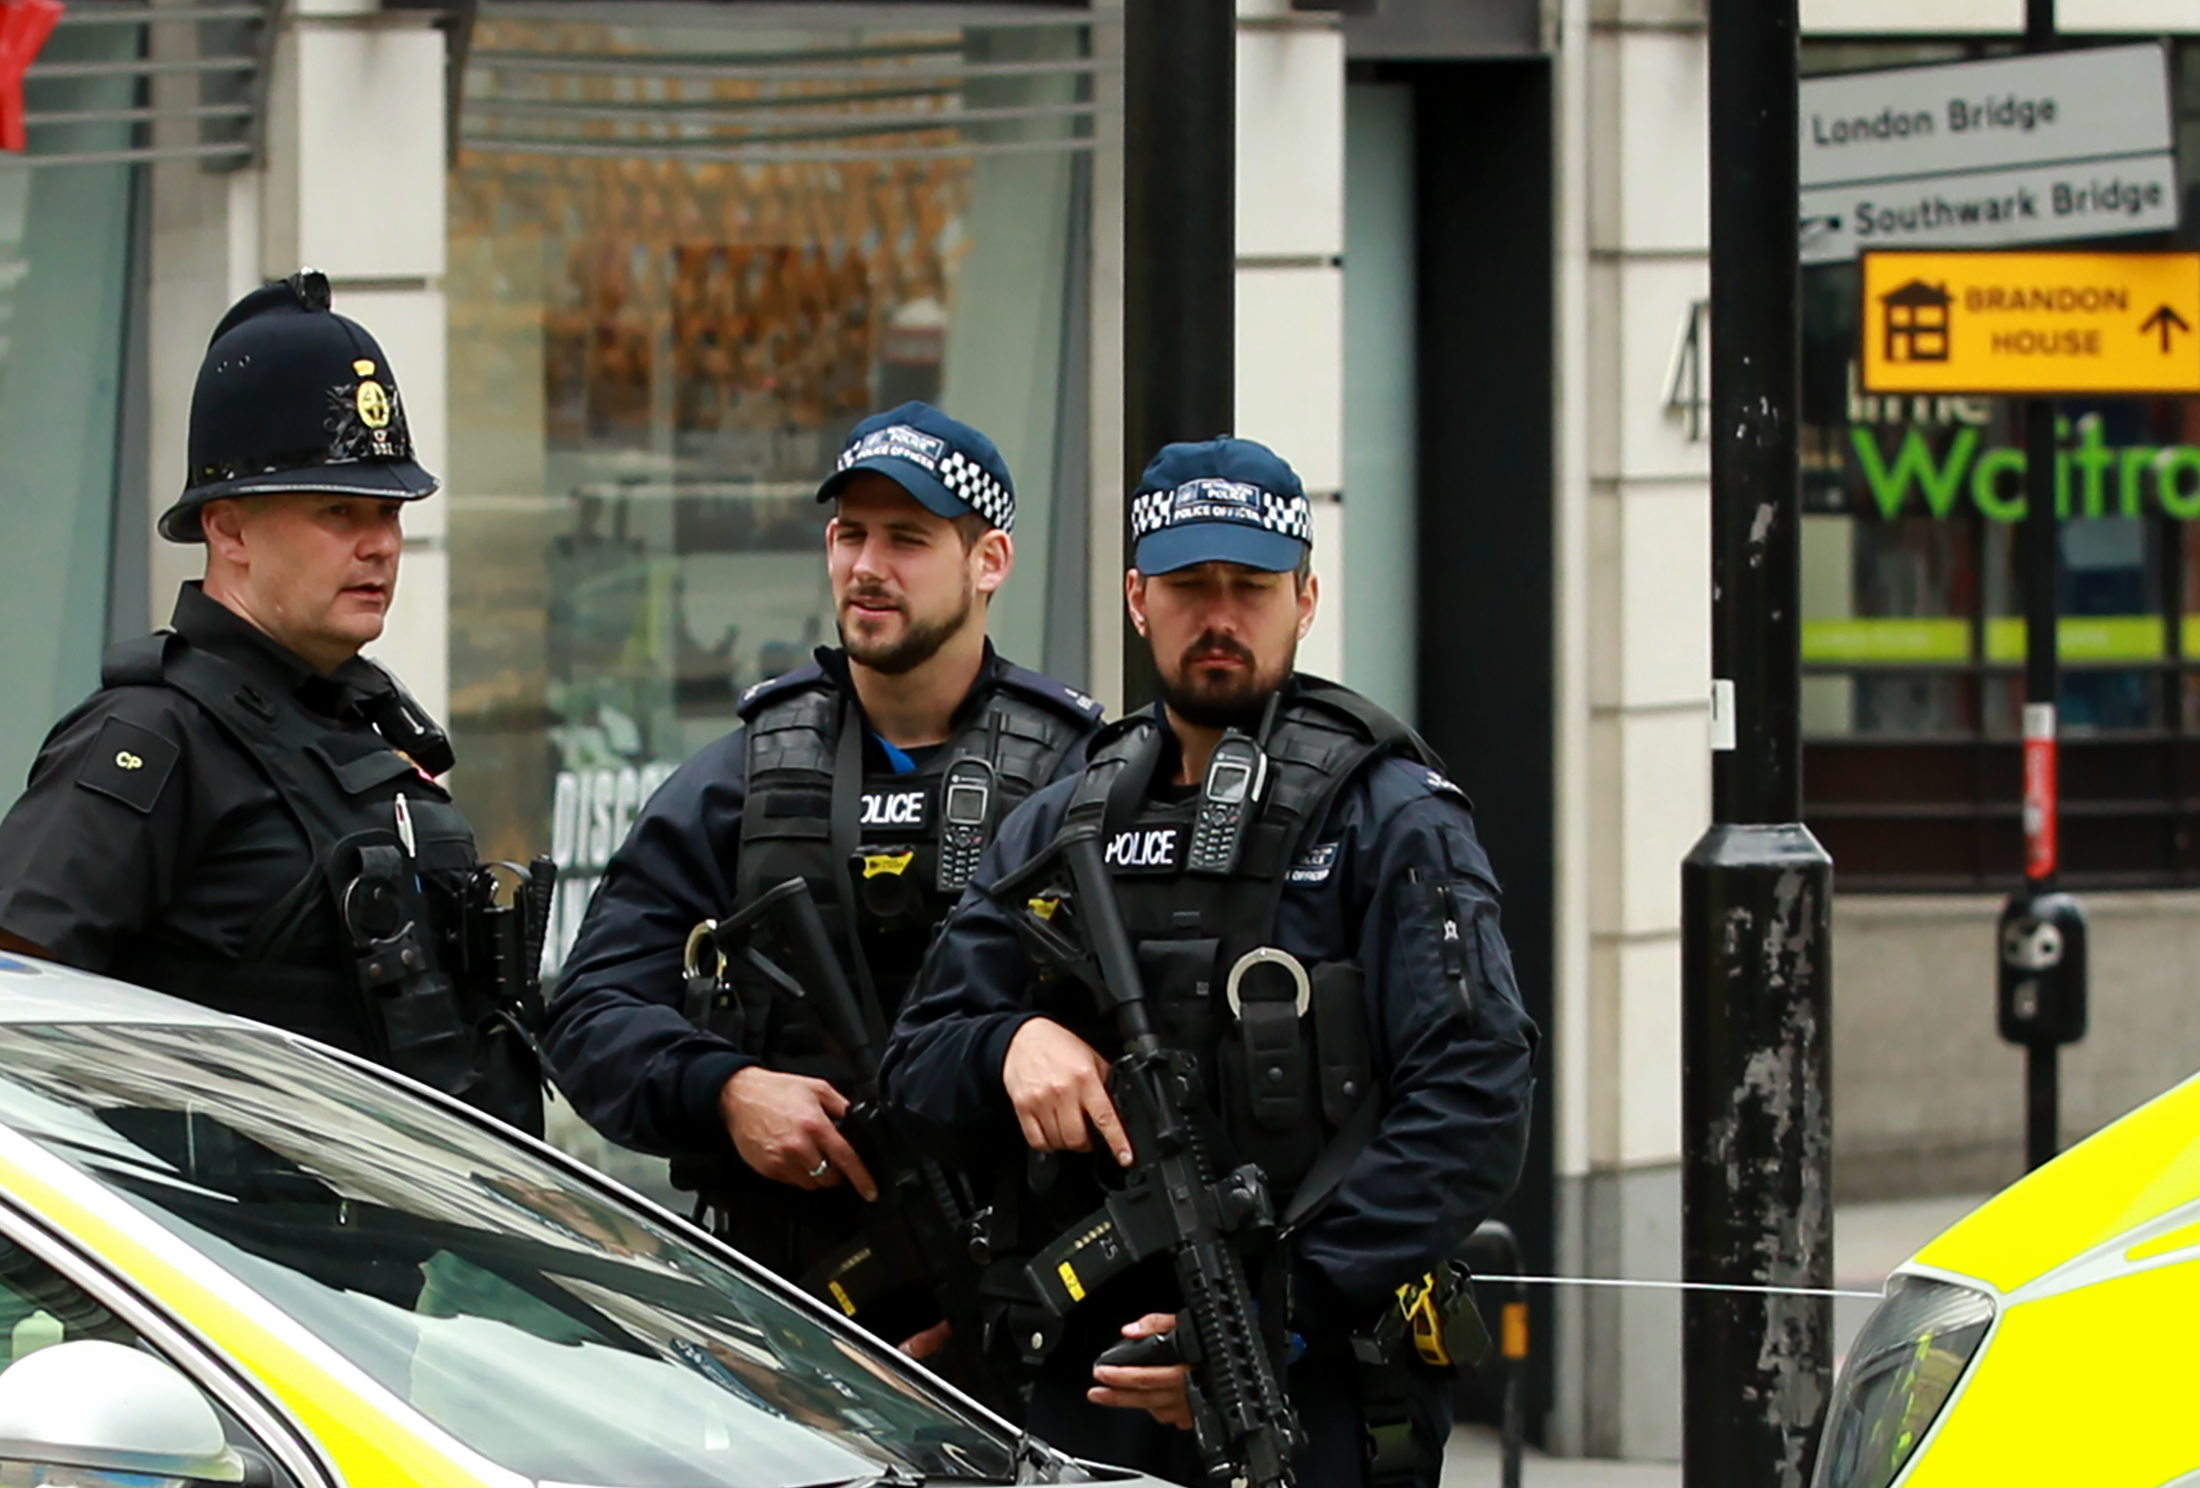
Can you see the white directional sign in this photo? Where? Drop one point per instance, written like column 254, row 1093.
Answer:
column 2032, row 149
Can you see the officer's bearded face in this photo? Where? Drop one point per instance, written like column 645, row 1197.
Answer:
column 316, row 573
column 1224, row 637
column 906, row 582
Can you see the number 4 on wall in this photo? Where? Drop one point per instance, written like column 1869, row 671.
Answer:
column 1687, row 381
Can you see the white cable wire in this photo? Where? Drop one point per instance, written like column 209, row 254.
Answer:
column 1676, row 1286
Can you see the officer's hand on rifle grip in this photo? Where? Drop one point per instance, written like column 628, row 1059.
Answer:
column 1058, row 1083
column 1160, row 1390
column 782, row 1125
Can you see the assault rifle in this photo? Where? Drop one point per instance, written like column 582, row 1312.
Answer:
column 918, row 1227
column 1172, row 1199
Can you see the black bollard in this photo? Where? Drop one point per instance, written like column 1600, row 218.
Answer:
column 1757, row 1203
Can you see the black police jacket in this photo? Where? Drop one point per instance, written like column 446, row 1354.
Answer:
column 152, row 844
column 1454, row 1070
column 626, row 1054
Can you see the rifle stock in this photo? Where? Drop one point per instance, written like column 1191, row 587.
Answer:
column 1172, row 1198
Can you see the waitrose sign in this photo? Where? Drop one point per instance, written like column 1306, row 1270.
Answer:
column 1940, row 471
column 2030, row 149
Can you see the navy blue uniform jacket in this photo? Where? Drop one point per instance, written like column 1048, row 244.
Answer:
column 1454, row 1060
column 633, row 1066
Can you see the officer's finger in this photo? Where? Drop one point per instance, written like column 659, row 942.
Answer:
column 1161, row 1393
column 1101, row 1111
column 924, row 1345
column 834, row 1103
column 834, row 1148
column 1035, row 1135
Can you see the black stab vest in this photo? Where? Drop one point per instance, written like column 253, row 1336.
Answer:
column 341, row 788
column 1283, row 1079
column 868, row 844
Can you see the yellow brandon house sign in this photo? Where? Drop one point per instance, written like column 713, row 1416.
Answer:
column 2099, row 324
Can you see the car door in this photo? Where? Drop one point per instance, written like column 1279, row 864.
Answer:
column 54, row 1291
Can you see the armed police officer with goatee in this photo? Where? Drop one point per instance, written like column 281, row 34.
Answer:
column 247, row 814
column 1314, row 928
column 856, row 798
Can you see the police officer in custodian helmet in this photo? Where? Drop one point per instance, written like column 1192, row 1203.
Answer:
column 246, row 813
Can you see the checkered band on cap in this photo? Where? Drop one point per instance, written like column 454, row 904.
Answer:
column 1293, row 516
column 974, row 486
column 1150, row 511
column 1221, row 501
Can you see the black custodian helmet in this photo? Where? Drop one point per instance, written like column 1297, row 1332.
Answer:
column 294, row 397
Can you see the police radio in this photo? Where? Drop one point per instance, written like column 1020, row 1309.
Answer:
column 1236, row 771
column 966, row 802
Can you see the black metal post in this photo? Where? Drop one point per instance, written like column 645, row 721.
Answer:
column 1179, row 242
column 2043, row 996
column 1756, row 891
column 2042, row 543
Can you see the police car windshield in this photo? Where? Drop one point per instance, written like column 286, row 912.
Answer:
column 556, row 1332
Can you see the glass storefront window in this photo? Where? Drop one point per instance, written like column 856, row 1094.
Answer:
column 1913, row 609
column 684, row 260
column 65, row 267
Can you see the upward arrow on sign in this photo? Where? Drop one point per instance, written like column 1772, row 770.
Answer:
column 2168, row 322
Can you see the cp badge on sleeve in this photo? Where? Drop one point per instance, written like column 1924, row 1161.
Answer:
column 129, row 763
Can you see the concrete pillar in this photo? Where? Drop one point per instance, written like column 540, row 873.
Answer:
column 1635, row 638
column 355, row 188
column 1290, row 278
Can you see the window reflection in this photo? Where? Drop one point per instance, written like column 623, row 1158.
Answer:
column 684, row 261
column 554, row 1332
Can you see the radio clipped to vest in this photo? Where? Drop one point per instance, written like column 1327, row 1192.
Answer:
column 1228, row 798
column 413, row 1002
column 966, row 807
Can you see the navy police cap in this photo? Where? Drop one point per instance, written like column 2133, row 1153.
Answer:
column 950, row 468
column 1220, row 501
column 294, row 397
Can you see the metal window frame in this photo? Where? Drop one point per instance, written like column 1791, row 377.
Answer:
column 254, row 63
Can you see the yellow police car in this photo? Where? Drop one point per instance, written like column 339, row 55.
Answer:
column 2047, row 1337
column 229, row 1255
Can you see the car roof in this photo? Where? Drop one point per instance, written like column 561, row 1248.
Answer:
column 33, row 991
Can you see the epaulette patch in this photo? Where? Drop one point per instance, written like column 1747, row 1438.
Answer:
column 129, row 763
column 804, row 676
column 1439, row 784
column 1039, row 684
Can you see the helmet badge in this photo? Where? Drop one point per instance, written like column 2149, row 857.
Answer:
column 370, row 398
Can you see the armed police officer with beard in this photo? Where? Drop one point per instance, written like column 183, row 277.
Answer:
column 1315, row 927
column 873, row 778
column 245, row 814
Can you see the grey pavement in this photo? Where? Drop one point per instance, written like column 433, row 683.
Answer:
column 1869, row 1241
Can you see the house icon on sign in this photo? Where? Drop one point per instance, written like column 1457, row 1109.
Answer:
column 1917, row 322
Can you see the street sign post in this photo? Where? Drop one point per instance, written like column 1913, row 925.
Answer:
column 2031, row 324
column 2030, row 149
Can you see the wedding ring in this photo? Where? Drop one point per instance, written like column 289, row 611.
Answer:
column 824, row 1166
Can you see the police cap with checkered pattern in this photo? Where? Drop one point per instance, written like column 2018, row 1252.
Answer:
column 1220, row 501
column 950, row 468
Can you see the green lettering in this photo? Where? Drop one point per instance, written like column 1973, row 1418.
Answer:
column 2094, row 457
column 1913, row 463
column 1985, row 476
column 2136, row 458
column 2180, row 502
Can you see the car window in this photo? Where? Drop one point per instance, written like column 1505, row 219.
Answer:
column 558, row 1333
column 40, row 1307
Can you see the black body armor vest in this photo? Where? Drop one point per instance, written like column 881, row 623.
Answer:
column 432, row 981
column 1284, row 1045
column 886, row 856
